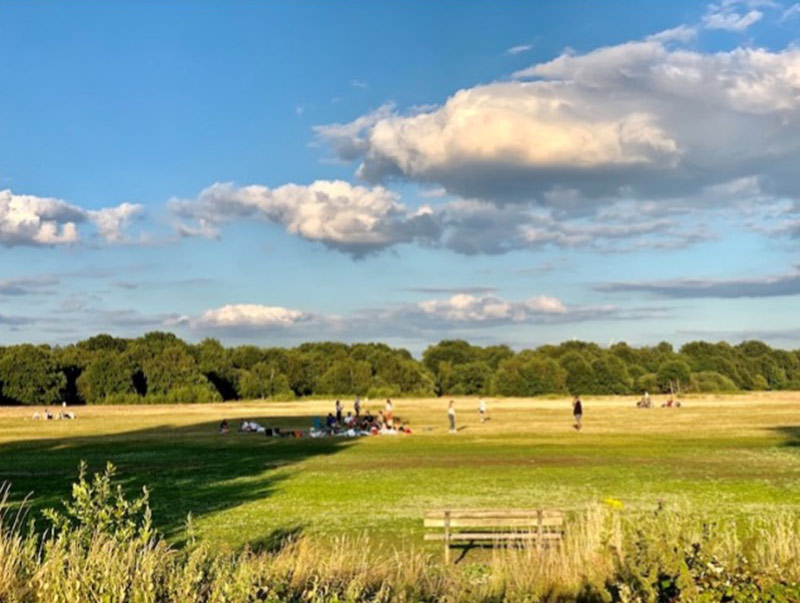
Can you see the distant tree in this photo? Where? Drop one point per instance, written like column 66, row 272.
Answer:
column 109, row 374
column 470, row 378
column 529, row 375
column 580, row 374
column 611, row 376
column 104, row 342
column 711, row 382
column 30, row 375
column 72, row 361
column 216, row 365
column 265, row 380
column 675, row 372
column 346, row 377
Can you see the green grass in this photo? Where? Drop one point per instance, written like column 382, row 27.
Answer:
column 732, row 455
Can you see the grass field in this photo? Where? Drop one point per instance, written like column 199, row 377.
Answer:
column 726, row 455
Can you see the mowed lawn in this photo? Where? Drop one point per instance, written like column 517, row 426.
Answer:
column 731, row 455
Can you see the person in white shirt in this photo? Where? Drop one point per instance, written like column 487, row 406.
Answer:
column 451, row 415
column 482, row 409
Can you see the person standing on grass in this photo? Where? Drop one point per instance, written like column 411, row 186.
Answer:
column 577, row 412
column 451, row 415
column 338, row 412
column 482, row 410
column 389, row 412
column 357, row 406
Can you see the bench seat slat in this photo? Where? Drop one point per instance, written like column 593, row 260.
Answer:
column 505, row 514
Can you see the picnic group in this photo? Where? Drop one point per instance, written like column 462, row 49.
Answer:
column 46, row 415
column 352, row 424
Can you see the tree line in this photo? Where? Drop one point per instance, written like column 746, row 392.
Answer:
column 161, row 368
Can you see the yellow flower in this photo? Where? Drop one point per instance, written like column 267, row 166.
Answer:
column 613, row 503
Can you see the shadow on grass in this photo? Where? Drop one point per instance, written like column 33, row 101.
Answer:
column 188, row 469
column 791, row 433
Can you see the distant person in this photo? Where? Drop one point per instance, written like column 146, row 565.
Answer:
column 330, row 422
column 338, row 412
column 646, row 399
column 224, row 427
column 389, row 411
column 577, row 412
column 36, row 416
column 47, row 414
column 357, row 406
column 451, row 416
column 349, row 420
column 482, row 410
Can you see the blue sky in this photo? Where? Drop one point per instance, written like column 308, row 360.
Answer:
column 400, row 171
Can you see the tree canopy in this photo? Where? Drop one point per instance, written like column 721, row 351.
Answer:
column 160, row 367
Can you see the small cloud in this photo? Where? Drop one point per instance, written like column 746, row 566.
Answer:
column 358, row 84
column 437, row 192
column 791, row 12
column 519, row 49
column 299, row 110
column 235, row 316
column 682, row 33
column 726, row 16
column 453, row 290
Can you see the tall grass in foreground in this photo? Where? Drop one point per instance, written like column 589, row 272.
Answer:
column 102, row 548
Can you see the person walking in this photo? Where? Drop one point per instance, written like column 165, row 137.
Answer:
column 482, row 410
column 577, row 412
column 451, row 415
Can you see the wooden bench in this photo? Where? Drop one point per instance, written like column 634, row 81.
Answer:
column 542, row 527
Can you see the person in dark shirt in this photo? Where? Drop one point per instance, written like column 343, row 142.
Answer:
column 577, row 412
column 330, row 422
column 338, row 412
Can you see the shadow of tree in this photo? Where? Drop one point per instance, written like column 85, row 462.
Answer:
column 188, row 469
column 790, row 432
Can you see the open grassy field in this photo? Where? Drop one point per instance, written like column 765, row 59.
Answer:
column 716, row 455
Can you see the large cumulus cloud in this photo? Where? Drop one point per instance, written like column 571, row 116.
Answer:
column 643, row 119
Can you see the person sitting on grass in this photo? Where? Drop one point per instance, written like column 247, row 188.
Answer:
column 349, row 420
column 223, row 427
column 330, row 422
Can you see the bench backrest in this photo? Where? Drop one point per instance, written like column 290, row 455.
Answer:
column 509, row 519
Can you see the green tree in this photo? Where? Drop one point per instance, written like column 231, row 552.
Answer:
column 109, row 374
column 265, row 380
column 580, row 375
column 675, row 374
column 30, row 375
column 611, row 375
column 346, row 377
column 471, row 378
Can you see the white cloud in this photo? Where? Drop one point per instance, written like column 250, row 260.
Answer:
column 726, row 16
column 791, row 12
column 237, row 316
column 111, row 222
column 641, row 118
column 358, row 84
column 46, row 221
column 31, row 220
column 681, row 33
column 352, row 219
column 519, row 49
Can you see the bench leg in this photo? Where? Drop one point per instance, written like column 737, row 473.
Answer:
column 447, row 537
